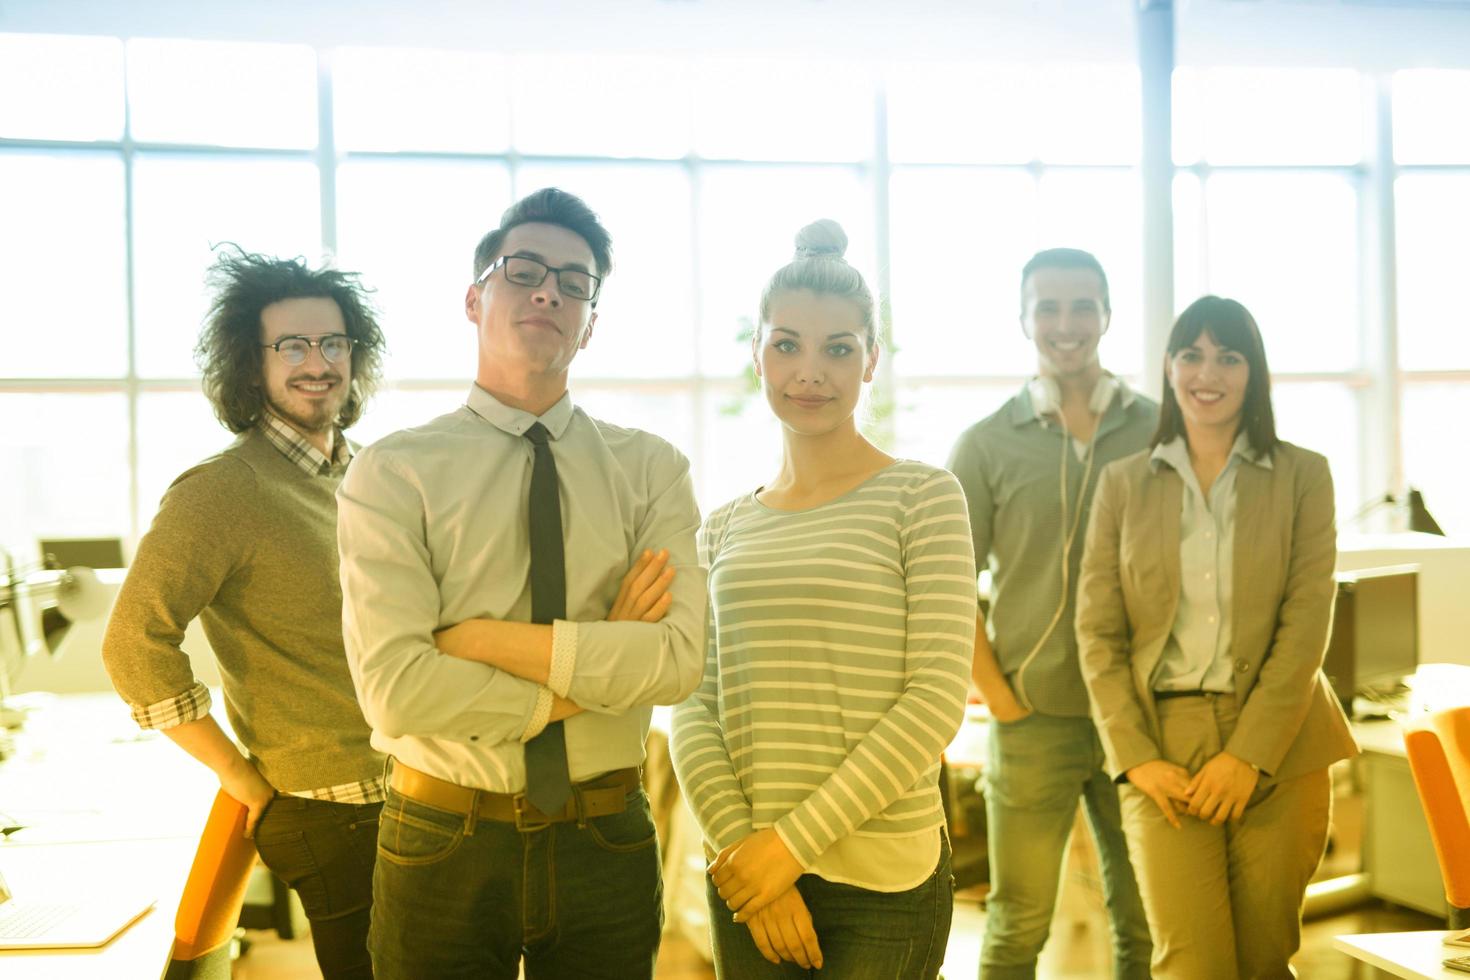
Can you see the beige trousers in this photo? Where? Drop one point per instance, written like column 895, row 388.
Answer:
column 1224, row 903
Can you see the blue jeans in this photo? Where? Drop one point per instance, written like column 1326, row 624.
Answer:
column 325, row 852
column 1037, row 769
column 864, row 935
column 451, row 900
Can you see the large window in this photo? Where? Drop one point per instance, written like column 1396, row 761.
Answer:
column 119, row 173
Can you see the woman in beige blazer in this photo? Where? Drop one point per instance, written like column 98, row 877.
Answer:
column 1203, row 612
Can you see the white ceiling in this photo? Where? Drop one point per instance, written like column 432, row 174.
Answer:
column 1370, row 34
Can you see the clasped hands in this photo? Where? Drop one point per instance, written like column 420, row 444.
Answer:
column 756, row 878
column 1218, row 792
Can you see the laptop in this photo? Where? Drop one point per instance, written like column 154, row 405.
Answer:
column 63, row 924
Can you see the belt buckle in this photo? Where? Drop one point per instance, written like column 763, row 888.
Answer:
column 521, row 806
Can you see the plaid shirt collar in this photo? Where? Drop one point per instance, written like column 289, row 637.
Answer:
column 295, row 447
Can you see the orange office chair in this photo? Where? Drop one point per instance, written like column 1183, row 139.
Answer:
column 210, row 907
column 1439, row 756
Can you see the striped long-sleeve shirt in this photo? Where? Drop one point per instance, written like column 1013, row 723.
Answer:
column 839, row 648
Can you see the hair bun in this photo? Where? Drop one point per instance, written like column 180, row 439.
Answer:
column 822, row 239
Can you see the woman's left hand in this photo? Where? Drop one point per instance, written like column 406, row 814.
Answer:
column 1221, row 789
column 753, row 871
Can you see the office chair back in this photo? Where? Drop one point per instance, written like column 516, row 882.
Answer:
column 210, row 907
column 1439, row 756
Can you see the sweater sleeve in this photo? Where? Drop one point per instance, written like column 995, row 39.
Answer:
column 701, row 758
column 939, row 583
column 197, row 541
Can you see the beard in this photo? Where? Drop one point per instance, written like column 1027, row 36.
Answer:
column 308, row 416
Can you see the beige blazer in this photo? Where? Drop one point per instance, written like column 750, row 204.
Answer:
column 1285, row 548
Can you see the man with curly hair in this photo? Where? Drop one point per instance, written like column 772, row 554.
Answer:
column 246, row 542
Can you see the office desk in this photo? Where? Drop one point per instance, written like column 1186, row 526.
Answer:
column 61, row 869
column 103, row 806
column 1413, row 955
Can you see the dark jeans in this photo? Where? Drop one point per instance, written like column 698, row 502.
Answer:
column 452, row 901
column 325, row 852
column 864, row 935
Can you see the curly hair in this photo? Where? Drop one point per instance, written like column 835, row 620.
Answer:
column 229, row 352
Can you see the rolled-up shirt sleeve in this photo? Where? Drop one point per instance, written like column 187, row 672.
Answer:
column 390, row 609
column 620, row 665
column 175, row 574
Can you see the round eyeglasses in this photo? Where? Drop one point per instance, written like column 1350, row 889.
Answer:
column 335, row 347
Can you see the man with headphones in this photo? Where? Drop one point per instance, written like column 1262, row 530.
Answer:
column 1029, row 471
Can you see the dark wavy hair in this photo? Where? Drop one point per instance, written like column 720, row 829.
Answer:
column 229, row 352
column 1229, row 325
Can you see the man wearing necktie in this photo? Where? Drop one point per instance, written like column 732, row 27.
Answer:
column 520, row 588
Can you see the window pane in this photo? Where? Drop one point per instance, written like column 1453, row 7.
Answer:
column 960, row 113
column 1098, row 212
column 646, row 312
column 755, row 109
column 413, row 99
column 1324, row 417
column 929, row 418
column 61, row 88
column 66, row 467
column 602, row 105
column 176, row 430
column 1190, row 245
column 62, row 236
column 741, row 447
column 1430, row 465
column 1424, row 103
column 226, row 94
column 1286, row 245
column 959, row 240
column 183, row 205
column 1271, row 115
column 749, row 217
column 1187, row 124
column 399, row 408
column 1091, row 113
column 966, row 113
column 1433, row 211
column 410, row 228
column 666, row 412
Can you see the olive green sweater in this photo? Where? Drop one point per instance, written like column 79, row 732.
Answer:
column 246, row 541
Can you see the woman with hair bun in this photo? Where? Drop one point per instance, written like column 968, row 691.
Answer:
column 842, row 615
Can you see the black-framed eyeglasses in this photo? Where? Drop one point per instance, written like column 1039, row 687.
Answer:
column 524, row 271
column 335, row 347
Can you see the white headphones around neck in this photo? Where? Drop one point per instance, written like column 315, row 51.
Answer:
column 1046, row 394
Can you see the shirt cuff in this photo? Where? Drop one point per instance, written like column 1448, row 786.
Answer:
column 540, row 714
column 563, row 656
column 180, row 709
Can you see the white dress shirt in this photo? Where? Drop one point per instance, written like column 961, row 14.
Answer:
column 433, row 530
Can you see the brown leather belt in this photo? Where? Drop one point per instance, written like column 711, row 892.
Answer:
column 594, row 798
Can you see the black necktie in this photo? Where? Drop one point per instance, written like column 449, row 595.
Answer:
column 548, row 783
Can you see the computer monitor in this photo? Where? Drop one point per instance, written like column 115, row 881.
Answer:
column 87, row 552
column 1375, row 631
